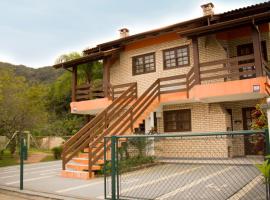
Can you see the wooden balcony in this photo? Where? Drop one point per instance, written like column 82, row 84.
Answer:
column 86, row 92
column 236, row 68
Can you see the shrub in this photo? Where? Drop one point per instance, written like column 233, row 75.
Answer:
column 265, row 169
column 57, row 152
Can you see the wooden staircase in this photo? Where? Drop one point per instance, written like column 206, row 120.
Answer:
column 83, row 153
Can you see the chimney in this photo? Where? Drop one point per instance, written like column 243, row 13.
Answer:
column 208, row 9
column 124, row 32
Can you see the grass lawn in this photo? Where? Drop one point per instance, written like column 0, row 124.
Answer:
column 7, row 159
column 35, row 150
column 48, row 158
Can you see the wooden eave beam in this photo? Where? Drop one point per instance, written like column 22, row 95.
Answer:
column 87, row 58
column 225, row 25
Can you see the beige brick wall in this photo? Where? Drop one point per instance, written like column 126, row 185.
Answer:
column 210, row 49
column 121, row 71
column 204, row 117
column 192, row 147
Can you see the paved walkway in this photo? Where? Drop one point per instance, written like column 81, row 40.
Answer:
column 45, row 178
column 11, row 195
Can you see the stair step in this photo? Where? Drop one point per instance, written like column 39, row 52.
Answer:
column 84, row 161
column 76, row 174
column 85, row 155
column 82, row 167
column 86, row 150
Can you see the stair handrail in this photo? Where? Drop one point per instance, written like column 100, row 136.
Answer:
column 126, row 96
column 133, row 113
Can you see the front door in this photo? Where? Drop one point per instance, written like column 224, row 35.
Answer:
column 254, row 144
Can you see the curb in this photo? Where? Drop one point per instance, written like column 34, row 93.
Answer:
column 32, row 195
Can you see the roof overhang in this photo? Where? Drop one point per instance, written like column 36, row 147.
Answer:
column 148, row 34
column 209, row 29
column 87, row 58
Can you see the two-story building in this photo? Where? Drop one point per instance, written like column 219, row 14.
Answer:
column 205, row 74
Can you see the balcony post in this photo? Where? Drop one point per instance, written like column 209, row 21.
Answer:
column 256, row 38
column 196, row 60
column 74, row 83
column 106, row 75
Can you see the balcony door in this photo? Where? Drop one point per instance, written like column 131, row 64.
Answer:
column 243, row 50
column 247, row 49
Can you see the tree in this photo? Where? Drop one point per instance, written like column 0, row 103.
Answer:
column 61, row 121
column 86, row 72
column 22, row 106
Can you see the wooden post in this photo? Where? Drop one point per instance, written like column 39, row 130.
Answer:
column 257, row 50
column 159, row 90
column 90, row 161
column 187, row 85
column 106, row 75
column 196, row 60
column 74, row 83
column 131, row 120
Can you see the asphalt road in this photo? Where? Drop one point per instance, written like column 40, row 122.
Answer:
column 168, row 181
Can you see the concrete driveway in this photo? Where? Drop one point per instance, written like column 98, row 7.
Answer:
column 168, row 181
column 45, row 178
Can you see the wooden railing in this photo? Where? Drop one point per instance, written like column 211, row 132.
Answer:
column 97, row 125
column 115, row 91
column 228, row 69
column 126, row 121
column 87, row 92
column 120, row 116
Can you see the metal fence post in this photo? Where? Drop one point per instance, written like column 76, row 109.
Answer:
column 25, row 150
column 267, row 142
column 117, row 167
column 105, row 168
column 113, row 171
column 21, row 160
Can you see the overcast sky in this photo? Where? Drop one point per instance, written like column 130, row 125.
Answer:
column 35, row 32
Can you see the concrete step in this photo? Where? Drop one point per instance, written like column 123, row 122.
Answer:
column 84, row 161
column 85, row 155
column 82, row 167
column 76, row 174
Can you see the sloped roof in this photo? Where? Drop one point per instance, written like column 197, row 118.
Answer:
column 186, row 25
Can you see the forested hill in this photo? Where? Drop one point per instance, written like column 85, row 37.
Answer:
column 39, row 75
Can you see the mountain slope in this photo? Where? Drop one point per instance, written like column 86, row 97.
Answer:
column 39, row 75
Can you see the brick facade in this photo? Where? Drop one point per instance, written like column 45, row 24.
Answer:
column 210, row 49
column 121, row 71
column 206, row 118
column 192, row 147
